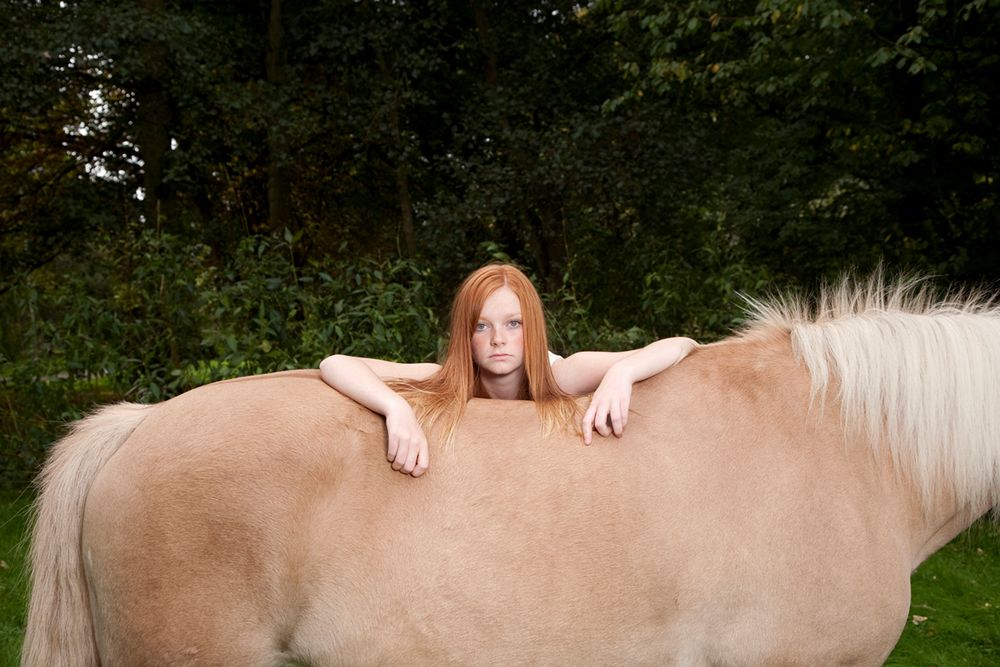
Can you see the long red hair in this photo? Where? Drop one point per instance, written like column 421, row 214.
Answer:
column 440, row 399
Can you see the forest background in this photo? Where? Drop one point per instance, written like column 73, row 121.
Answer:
column 194, row 190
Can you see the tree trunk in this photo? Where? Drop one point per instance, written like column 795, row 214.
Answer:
column 553, row 243
column 279, row 186
column 152, row 126
column 402, row 167
column 406, row 208
column 487, row 41
column 538, row 228
column 508, row 228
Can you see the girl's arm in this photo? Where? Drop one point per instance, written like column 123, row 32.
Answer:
column 610, row 375
column 362, row 379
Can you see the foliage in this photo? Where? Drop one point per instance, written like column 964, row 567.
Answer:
column 150, row 316
column 14, row 509
column 858, row 130
column 160, row 318
column 191, row 191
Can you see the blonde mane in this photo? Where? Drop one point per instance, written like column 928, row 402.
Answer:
column 919, row 376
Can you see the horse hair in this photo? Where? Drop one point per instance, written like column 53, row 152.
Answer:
column 916, row 374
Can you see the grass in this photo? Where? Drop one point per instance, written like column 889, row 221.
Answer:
column 13, row 586
column 957, row 591
column 956, row 596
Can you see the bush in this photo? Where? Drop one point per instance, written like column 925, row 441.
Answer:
column 162, row 317
column 149, row 316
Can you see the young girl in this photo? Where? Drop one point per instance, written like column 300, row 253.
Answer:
column 497, row 349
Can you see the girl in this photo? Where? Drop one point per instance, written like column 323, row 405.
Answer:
column 497, row 349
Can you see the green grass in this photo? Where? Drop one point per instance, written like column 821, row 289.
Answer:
column 957, row 591
column 13, row 586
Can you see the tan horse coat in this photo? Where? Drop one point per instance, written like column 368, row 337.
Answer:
column 256, row 522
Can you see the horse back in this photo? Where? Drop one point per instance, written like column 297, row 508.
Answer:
column 728, row 503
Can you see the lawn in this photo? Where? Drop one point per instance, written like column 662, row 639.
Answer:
column 955, row 606
column 954, row 618
column 13, row 552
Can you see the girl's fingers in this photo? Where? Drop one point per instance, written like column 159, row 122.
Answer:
column 397, row 463
column 406, row 447
column 616, row 420
column 411, row 458
column 422, row 461
column 601, row 422
column 588, row 425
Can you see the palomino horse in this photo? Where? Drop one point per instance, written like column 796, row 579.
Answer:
column 766, row 506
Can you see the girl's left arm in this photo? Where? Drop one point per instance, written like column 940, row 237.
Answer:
column 610, row 375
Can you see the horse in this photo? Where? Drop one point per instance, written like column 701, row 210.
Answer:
column 766, row 506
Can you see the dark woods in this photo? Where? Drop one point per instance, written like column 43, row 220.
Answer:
column 192, row 190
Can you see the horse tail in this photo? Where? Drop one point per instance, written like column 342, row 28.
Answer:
column 59, row 628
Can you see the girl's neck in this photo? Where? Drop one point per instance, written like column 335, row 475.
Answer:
column 508, row 387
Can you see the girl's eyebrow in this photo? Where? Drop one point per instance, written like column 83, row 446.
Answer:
column 508, row 316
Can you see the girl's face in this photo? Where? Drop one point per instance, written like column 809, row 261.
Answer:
column 498, row 336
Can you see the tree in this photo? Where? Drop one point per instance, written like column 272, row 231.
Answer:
column 860, row 129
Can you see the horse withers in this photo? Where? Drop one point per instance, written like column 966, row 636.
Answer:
column 766, row 506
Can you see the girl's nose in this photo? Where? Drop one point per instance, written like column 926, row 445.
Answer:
column 498, row 336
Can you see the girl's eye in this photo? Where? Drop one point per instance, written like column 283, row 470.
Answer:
column 514, row 324
column 481, row 326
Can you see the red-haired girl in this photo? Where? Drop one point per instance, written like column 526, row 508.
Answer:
column 497, row 349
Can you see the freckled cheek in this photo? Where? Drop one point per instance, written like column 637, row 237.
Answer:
column 518, row 341
column 480, row 347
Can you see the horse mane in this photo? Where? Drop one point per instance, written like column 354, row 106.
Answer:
column 917, row 374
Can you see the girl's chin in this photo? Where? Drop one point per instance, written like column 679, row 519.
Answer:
column 500, row 366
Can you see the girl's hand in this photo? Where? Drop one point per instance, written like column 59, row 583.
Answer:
column 610, row 375
column 608, row 411
column 407, row 450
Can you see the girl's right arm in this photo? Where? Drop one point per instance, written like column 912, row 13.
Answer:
column 362, row 379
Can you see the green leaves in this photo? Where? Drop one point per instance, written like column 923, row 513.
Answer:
column 642, row 159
